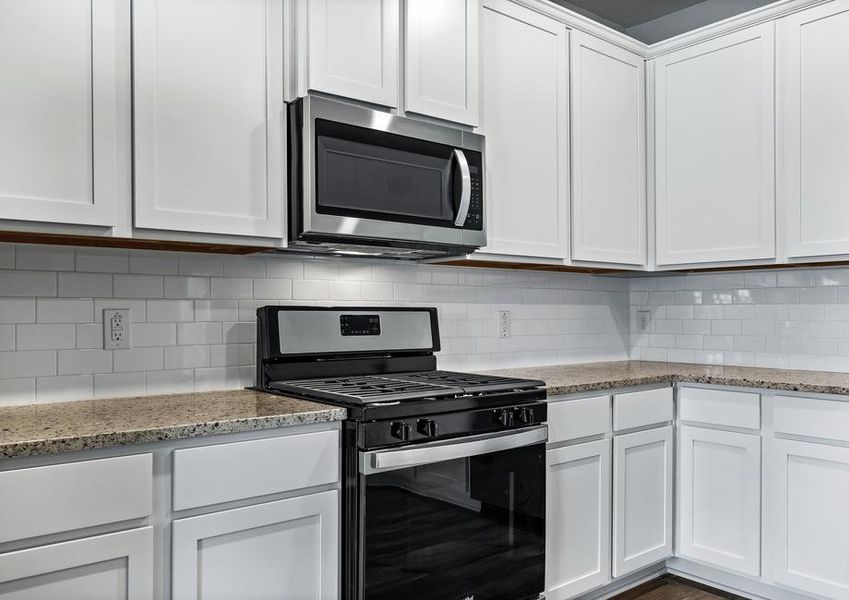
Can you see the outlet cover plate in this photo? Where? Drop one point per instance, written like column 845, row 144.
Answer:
column 116, row 328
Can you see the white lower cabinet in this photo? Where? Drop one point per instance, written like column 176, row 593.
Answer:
column 578, row 519
column 116, row 566
column 642, row 499
column 719, row 478
column 807, row 521
column 283, row 549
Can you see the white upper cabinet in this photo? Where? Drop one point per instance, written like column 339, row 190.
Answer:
column 608, row 153
column 715, row 188
column 642, row 499
column 209, row 120
column 351, row 49
column 719, row 509
column 441, row 59
column 63, row 66
column 525, row 113
column 813, row 88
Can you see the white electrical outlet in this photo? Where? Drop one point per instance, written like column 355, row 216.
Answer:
column 116, row 328
column 643, row 319
column 504, row 324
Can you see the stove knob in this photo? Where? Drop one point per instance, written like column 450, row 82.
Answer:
column 428, row 427
column 504, row 417
column 400, row 430
column 526, row 415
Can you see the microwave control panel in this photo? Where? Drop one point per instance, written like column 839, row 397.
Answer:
column 474, row 218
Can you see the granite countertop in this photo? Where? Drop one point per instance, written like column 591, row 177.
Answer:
column 35, row 429
column 588, row 377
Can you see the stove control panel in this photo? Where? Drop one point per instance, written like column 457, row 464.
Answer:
column 426, row 428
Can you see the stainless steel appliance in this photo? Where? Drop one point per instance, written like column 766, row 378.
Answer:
column 367, row 182
column 444, row 473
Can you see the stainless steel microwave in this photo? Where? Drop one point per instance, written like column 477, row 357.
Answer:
column 365, row 182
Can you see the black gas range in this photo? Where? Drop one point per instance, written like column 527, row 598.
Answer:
column 444, row 473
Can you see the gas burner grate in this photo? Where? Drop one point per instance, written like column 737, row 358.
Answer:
column 471, row 382
column 365, row 389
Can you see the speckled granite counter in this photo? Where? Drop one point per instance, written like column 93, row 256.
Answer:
column 70, row 426
column 588, row 377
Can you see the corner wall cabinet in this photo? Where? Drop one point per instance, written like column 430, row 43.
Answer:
column 714, row 150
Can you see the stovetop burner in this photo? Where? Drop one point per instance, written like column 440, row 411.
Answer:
column 397, row 387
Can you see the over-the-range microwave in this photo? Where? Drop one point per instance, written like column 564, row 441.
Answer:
column 365, row 182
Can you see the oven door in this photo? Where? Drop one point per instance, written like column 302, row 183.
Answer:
column 455, row 520
column 368, row 175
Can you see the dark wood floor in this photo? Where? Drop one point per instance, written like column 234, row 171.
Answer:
column 673, row 588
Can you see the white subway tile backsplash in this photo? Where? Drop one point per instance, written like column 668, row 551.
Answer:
column 137, row 308
column 187, row 357
column 17, row 311
column 170, row 382
column 89, row 336
column 103, row 260
column 137, row 359
column 198, row 333
column 304, row 289
column 27, row 283
column 273, row 289
column 239, row 333
column 119, row 385
column 138, row 286
column 186, row 287
column 7, row 338
column 151, row 262
column 64, row 311
column 216, row 310
column 44, row 336
column 7, row 261
column 27, row 363
column 244, row 266
column 153, row 334
column 17, row 391
column 85, row 285
column 82, row 362
column 201, row 264
column 232, row 288
column 170, row 311
column 44, row 258
column 65, row 388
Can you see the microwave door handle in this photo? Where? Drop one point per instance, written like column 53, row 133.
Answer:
column 389, row 460
column 465, row 190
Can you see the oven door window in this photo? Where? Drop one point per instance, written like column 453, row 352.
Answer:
column 459, row 529
column 370, row 174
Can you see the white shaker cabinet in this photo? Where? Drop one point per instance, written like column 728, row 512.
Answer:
column 578, row 519
column 719, row 510
column 63, row 68
column 608, row 152
column 642, row 499
column 115, row 566
column 209, row 116
column 525, row 114
column 807, row 523
column 441, row 59
column 351, row 49
column 813, row 128
column 283, row 549
column 715, row 150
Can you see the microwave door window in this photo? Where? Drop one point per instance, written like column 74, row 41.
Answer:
column 463, row 528
column 366, row 174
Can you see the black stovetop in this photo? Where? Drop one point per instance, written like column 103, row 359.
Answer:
column 360, row 390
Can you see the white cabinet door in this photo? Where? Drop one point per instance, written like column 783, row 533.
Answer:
column 441, row 59
column 62, row 66
column 115, row 566
column 351, row 49
column 578, row 519
column 608, row 153
column 525, row 113
column 284, row 549
column 715, row 155
column 807, row 522
column 719, row 509
column 642, row 499
column 813, row 50
column 209, row 122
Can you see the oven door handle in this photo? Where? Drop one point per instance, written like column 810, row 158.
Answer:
column 465, row 190
column 379, row 461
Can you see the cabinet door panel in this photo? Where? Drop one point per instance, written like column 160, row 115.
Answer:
column 525, row 120
column 116, row 566
column 715, row 150
column 441, row 65
column 283, row 549
column 353, row 49
column 719, row 501
column 608, row 153
column 808, row 525
column 813, row 129
column 208, row 87
column 61, row 65
column 642, row 499
column 578, row 519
